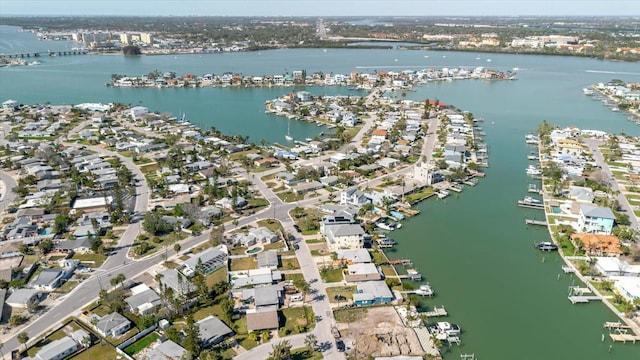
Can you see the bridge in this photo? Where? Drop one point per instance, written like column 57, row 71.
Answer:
column 44, row 53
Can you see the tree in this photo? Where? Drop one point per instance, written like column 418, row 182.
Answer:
column 192, row 337
column 216, row 235
column 265, row 335
column 311, row 341
column 131, row 50
column 177, row 248
column 95, row 243
column 118, row 279
column 60, row 223
column 16, row 320
column 45, row 246
column 155, row 224
column 23, row 337
column 281, row 351
column 227, row 308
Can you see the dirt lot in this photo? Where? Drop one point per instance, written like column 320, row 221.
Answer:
column 379, row 332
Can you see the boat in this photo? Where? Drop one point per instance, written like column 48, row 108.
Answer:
column 531, row 139
column 531, row 200
column 308, row 139
column 488, row 60
column 442, row 194
column 424, row 290
column 533, row 170
column 532, row 156
column 445, row 328
column 546, row 246
column 587, row 91
column 288, row 137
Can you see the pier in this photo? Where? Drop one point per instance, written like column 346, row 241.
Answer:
column 436, row 312
column 533, row 188
column 568, row 269
column 400, row 262
column 41, row 53
column 623, row 338
column 535, row 222
column 615, row 325
column 576, row 295
column 530, row 205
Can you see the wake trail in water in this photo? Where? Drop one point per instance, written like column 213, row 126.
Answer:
column 611, row 72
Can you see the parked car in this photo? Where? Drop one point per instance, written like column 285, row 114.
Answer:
column 335, row 332
column 340, row 345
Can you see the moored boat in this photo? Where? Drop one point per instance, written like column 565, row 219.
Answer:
column 546, row 246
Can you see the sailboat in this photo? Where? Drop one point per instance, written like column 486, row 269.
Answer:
column 288, row 137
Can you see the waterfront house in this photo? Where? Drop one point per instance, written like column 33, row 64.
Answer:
column 10, row 105
column 143, row 300
column 353, row 197
column 595, row 219
column 353, row 256
column 113, row 324
column 362, row 272
column 597, row 245
column 334, row 220
column 372, row 293
column 212, row 331
column 581, row 194
column 348, row 236
column 627, row 286
column 613, row 266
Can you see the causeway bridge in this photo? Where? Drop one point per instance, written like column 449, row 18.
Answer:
column 44, row 53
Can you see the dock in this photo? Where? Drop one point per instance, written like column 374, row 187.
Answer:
column 535, row 222
column 436, row 312
column 533, row 188
column 455, row 188
column 615, row 325
column 408, row 211
column 568, row 269
column 623, row 338
column 530, row 205
column 400, row 262
column 584, row 299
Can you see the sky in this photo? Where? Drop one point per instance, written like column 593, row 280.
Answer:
column 321, row 7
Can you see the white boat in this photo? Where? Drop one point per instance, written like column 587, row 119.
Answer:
column 424, row 290
column 531, row 200
column 533, row 170
column 384, row 226
column 288, row 137
column 442, row 194
column 444, row 329
column 488, row 60
column 531, row 139
column 587, row 91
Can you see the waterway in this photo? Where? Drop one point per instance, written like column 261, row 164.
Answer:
column 473, row 247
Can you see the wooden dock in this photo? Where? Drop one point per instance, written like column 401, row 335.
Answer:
column 400, row 262
column 436, row 312
column 624, row 338
column 530, row 205
column 583, row 299
column 615, row 325
column 535, row 222
column 408, row 211
column 455, row 188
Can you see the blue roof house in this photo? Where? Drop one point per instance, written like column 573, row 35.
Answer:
column 595, row 219
column 372, row 293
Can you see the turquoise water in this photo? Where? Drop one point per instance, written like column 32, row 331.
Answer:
column 473, row 247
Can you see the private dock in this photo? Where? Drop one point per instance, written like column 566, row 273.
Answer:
column 436, row 312
column 530, row 205
column 615, row 325
column 535, row 222
column 623, row 338
column 400, row 262
column 408, row 211
column 533, row 188
column 456, row 188
column 584, row 299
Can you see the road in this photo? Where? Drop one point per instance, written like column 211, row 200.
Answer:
column 613, row 184
column 7, row 196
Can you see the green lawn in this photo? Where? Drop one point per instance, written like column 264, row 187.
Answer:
column 142, row 343
column 331, row 275
column 206, row 311
column 346, row 291
column 240, row 250
column 349, row 315
column 246, row 342
column 66, row 287
column 378, row 257
column 310, row 232
column 273, row 225
column 246, row 263
column 98, row 352
column 314, row 241
column 388, row 270
column 217, row 276
column 420, row 195
column 289, row 264
column 274, row 246
column 305, row 353
column 294, row 321
column 289, row 196
column 91, row 260
column 293, row 277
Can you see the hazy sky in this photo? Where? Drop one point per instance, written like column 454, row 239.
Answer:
column 320, row 7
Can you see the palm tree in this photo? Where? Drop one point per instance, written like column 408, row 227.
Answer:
column 23, row 337
column 281, row 351
column 311, row 341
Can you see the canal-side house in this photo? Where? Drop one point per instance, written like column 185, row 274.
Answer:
column 347, row 236
column 581, row 194
column 372, row 293
column 595, row 219
column 362, row 272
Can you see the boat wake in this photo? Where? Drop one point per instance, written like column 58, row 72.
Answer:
column 611, row 72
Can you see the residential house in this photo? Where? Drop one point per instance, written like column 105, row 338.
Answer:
column 113, row 324
column 581, row 194
column 595, row 219
column 627, row 286
column 212, row 331
column 268, row 259
column 353, row 256
column 348, row 236
column 265, row 318
column 207, row 261
column 143, row 300
column 167, row 350
column 255, row 277
column 353, row 197
column 371, row 293
column 334, row 220
column 388, row 162
column 362, row 272
column 57, row 349
column 95, row 204
column 305, row 187
column 613, row 266
column 80, row 246
column 261, row 235
column 379, row 135
column 50, row 279
column 23, row 298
